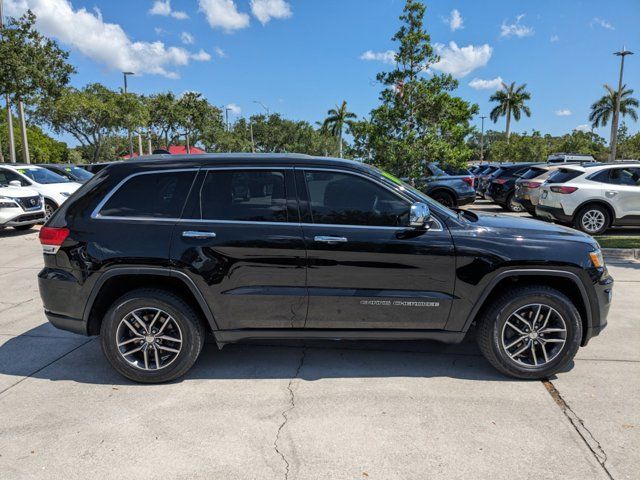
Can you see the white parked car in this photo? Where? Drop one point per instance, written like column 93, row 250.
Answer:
column 20, row 208
column 54, row 188
column 593, row 197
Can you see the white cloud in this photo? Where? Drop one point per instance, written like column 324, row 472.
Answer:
column 187, row 38
column 455, row 20
column 602, row 23
column 163, row 8
column 265, row 10
column 385, row 57
column 102, row 42
column 516, row 28
column 554, row 38
column 563, row 112
column 220, row 52
column 224, row 14
column 460, row 61
column 201, row 56
column 480, row 84
column 234, row 109
column 585, row 127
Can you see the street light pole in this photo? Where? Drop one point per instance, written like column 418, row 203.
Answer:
column 12, row 143
column 124, row 75
column 226, row 117
column 263, row 106
column 482, row 117
column 616, row 115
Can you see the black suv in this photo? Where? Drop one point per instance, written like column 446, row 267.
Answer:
column 502, row 186
column 154, row 253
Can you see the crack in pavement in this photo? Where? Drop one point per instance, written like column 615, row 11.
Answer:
column 14, row 305
column 285, row 412
column 578, row 424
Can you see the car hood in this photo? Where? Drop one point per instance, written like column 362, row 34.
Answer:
column 17, row 192
column 526, row 228
column 66, row 187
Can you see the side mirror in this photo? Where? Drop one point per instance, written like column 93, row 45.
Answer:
column 419, row 215
column 15, row 183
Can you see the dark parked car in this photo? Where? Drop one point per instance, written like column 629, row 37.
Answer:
column 502, row 186
column 482, row 178
column 450, row 190
column 153, row 254
column 95, row 167
column 70, row 171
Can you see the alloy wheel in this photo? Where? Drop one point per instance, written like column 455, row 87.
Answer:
column 534, row 335
column 593, row 220
column 149, row 338
column 48, row 211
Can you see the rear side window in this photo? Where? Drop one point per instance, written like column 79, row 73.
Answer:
column 532, row 173
column 344, row 199
column 154, row 195
column 244, row 195
column 563, row 175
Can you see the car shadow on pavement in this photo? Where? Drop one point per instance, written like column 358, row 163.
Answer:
column 12, row 232
column 67, row 357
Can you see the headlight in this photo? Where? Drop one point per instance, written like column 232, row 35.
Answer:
column 6, row 202
column 596, row 258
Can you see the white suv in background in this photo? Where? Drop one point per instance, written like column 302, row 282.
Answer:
column 54, row 188
column 20, row 208
column 593, row 197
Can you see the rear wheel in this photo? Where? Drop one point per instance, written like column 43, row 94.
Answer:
column 530, row 332
column 151, row 336
column 592, row 219
column 444, row 198
column 513, row 205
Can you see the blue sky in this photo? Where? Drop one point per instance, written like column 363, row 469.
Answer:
column 301, row 57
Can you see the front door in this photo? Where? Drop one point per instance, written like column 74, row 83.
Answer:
column 241, row 243
column 367, row 269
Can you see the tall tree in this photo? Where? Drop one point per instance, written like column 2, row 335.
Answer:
column 196, row 116
column 32, row 67
column 336, row 120
column 511, row 101
column 605, row 107
column 419, row 118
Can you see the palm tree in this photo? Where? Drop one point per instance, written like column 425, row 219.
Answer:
column 337, row 118
column 605, row 108
column 511, row 101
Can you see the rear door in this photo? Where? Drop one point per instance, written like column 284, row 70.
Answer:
column 367, row 270
column 241, row 243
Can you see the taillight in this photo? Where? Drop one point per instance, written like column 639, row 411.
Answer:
column 500, row 181
column 51, row 238
column 468, row 180
column 532, row 184
column 563, row 190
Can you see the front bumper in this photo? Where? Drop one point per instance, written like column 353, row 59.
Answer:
column 552, row 213
column 25, row 219
column 600, row 305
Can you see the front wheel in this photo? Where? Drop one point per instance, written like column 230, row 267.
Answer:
column 151, row 336
column 530, row 332
column 49, row 209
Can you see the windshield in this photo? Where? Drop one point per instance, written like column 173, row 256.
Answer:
column 42, row 175
column 413, row 193
column 79, row 173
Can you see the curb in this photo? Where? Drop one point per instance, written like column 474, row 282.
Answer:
column 618, row 254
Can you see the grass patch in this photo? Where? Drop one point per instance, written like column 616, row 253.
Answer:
column 607, row 241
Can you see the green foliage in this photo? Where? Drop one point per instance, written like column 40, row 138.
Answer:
column 511, row 101
column 604, row 108
column 43, row 148
column 419, row 119
column 628, row 145
column 336, row 120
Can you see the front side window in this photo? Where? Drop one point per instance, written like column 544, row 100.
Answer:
column 343, row 199
column 244, row 195
column 151, row 195
column 7, row 176
column 625, row 176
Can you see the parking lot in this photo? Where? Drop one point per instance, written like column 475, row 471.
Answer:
column 310, row 411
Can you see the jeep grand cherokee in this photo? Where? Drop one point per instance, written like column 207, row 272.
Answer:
column 155, row 253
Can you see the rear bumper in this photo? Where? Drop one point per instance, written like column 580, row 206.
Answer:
column 64, row 299
column 466, row 199
column 553, row 213
column 74, row 325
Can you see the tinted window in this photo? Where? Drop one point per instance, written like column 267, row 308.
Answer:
column 79, row 173
column 7, row 176
column 625, row 176
column 562, row 175
column 42, row 175
column 532, row 173
column 244, row 195
column 343, row 199
column 157, row 195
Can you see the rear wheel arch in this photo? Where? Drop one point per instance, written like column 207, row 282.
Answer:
column 116, row 283
column 599, row 202
column 444, row 191
column 565, row 282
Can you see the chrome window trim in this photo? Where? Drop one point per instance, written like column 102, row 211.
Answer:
column 97, row 216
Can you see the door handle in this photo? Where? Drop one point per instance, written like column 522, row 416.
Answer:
column 329, row 239
column 196, row 234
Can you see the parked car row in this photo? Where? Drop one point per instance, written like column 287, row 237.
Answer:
column 587, row 195
column 30, row 194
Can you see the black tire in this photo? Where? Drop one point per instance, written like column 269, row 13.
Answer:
column 188, row 321
column 23, row 227
column 445, row 198
column 512, row 205
column 493, row 321
column 581, row 222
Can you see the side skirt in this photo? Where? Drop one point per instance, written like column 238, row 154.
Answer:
column 231, row 336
